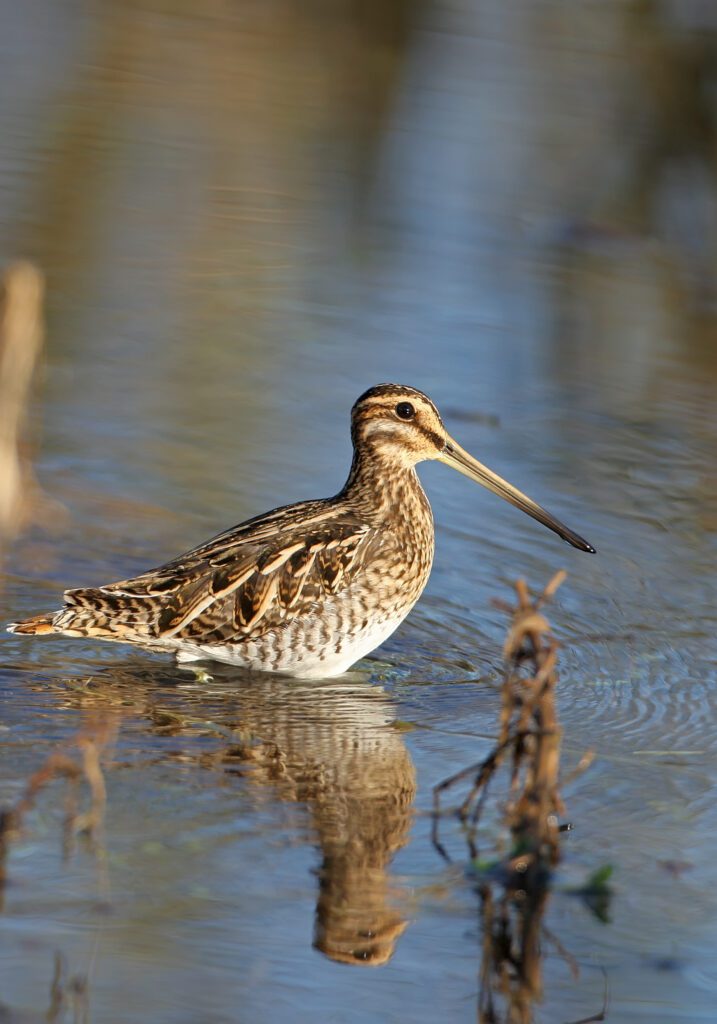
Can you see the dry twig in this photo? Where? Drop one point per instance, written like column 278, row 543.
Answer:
column 528, row 744
column 529, row 734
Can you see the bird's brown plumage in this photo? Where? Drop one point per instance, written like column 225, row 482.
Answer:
column 305, row 589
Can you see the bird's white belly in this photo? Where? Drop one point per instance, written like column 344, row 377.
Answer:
column 313, row 659
column 333, row 663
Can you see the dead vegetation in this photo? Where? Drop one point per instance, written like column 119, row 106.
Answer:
column 514, row 886
column 21, row 338
column 529, row 739
column 78, row 760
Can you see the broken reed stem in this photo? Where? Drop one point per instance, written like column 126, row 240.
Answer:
column 514, row 890
column 91, row 743
column 529, row 714
column 21, row 337
column 529, row 733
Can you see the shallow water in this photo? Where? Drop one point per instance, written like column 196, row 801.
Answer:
column 246, row 221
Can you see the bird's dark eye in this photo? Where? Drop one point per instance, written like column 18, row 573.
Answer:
column 405, row 411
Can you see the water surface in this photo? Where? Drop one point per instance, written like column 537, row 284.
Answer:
column 247, row 219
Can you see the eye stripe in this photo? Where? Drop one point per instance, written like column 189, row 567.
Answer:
column 437, row 440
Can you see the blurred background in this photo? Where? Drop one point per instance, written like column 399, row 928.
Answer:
column 246, row 214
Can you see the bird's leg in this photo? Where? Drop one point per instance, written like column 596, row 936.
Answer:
column 186, row 662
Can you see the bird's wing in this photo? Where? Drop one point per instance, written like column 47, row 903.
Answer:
column 243, row 582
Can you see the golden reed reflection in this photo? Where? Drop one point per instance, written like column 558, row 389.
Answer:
column 332, row 746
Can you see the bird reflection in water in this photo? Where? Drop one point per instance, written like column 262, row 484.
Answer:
column 332, row 746
column 340, row 753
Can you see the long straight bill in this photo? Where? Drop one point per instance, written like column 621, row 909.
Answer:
column 456, row 457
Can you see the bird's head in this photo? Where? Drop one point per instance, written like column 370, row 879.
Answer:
column 402, row 426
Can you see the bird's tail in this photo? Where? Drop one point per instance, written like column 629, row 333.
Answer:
column 36, row 625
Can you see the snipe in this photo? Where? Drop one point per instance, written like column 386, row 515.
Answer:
column 305, row 589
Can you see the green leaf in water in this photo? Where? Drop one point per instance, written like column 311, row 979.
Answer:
column 484, row 865
column 598, row 880
column 597, row 893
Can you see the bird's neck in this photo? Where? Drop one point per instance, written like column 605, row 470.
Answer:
column 384, row 489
